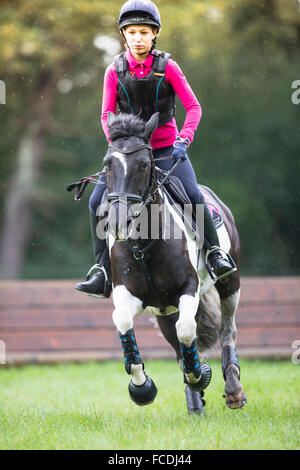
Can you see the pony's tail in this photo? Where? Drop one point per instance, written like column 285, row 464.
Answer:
column 208, row 320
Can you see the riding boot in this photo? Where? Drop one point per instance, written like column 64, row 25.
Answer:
column 99, row 284
column 219, row 268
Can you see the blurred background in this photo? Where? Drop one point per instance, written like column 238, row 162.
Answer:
column 242, row 60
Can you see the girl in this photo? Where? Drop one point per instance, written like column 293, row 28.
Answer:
column 143, row 81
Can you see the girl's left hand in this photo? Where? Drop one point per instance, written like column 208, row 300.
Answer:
column 179, row 149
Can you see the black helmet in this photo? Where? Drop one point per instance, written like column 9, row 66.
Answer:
column 139, row 12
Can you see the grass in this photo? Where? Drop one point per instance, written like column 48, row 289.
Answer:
column 87, row 406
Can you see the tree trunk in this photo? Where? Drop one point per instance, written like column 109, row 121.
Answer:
column 17, row 223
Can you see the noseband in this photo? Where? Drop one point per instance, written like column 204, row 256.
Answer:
column 117, row 197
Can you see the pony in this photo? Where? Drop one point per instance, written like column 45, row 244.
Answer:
column 164, row 274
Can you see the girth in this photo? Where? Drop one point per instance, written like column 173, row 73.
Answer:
column 139, row 256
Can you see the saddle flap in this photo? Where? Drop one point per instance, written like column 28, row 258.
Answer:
column 173, row 187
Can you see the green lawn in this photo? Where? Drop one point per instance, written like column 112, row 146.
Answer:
column 87, row 406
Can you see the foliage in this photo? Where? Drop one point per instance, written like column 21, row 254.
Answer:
column 240, row 59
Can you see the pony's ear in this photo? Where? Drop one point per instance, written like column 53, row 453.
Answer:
column 151, row 125
column 111, row 117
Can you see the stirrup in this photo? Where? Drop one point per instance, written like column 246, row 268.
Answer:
column 229, row 259
column 107, row 283
column 97, row 267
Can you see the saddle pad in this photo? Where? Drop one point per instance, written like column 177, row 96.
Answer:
column 174, row 186
column 213, row 209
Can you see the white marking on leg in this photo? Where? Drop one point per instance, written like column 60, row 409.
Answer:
column 137, row 374
column 228, row 327
column 122, row 160
column 127, row 306
column 186, row 323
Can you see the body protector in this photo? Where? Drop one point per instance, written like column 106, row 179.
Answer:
column 145, row 96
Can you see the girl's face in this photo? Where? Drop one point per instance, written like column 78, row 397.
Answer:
column 139, row 38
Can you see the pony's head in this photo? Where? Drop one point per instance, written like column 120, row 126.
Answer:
column 129, row 163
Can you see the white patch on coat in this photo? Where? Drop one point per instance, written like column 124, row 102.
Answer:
column 127, row 306
column 186, row 323
column 122, row 160
column 225, row 244
column 191, row 243
column 111, row 242
column 150, row 310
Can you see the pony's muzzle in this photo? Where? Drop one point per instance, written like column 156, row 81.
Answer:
column 120, row 216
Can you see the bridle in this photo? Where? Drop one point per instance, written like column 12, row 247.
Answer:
column 132, row 197
column 154, row 185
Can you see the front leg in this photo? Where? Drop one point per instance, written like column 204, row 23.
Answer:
column 142, row 389
column 196, row 374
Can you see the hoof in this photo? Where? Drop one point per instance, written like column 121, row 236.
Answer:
column 143, row 394
column 195, row 402
column 236, row 400
column 204, row 379
column 234, row 393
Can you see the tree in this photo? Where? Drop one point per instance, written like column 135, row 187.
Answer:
column 40, row 42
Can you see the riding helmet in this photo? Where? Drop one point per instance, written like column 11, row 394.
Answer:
column 139, row 12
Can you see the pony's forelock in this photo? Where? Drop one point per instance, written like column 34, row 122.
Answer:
column 126, row 125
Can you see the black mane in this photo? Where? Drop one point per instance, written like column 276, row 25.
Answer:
column 126, row 125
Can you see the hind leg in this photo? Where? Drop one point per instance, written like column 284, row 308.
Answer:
column 235, row 396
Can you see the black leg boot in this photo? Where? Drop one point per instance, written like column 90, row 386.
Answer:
column 99, row 284
column 218, row 266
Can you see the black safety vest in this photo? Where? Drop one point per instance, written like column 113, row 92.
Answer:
column 145, row 96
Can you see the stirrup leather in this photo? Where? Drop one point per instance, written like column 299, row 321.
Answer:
column 209, row 268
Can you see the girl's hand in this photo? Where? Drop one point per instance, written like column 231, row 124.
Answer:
column 179, row 149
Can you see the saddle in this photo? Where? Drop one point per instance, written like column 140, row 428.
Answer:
column 175, row 192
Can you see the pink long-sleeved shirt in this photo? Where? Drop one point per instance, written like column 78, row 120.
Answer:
column 163, row 136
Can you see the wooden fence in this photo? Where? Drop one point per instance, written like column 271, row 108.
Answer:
column 49, row 321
